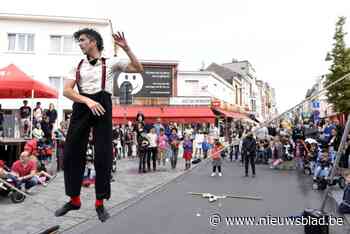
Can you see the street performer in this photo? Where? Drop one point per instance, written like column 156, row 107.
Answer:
column 92, row 108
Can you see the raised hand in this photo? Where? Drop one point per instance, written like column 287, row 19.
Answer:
column 120, row 40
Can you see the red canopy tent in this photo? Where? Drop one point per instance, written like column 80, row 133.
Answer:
column 14, row 83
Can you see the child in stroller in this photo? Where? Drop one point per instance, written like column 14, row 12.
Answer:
column 311, row 158
column 322, row 170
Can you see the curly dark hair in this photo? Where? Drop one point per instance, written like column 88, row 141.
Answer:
column 92, row 35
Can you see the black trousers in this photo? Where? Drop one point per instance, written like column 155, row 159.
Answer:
column 344, row 163
column 142, row 162
column 205, row 153
column 219, row 168
column 236, row 147
column 249, row 159
column 152, row 154
column 231, row 152
column 129, row 145
column 76, row 142
column 173, row 159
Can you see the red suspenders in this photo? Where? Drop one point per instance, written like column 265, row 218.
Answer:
column 103, row 73
column 103, row 82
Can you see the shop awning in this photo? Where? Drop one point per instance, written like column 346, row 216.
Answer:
column 178, row 114
column 230, row 114
column 14, row 83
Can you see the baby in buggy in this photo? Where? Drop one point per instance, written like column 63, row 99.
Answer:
column 311, row 158
column 322, row 170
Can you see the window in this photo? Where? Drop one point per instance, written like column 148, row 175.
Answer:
column 193, row 86
column 55, row 43
column 20, row 42
column 55, row 82
column 62, row 44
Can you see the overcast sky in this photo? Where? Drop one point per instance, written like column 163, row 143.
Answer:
column 285, row 41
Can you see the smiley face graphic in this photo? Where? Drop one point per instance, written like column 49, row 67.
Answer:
column 135, row 79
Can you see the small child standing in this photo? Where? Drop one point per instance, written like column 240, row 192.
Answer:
column 344, row 207
column 188, row 148
column 205, row 146
column 89, row 173
column 216, row 158
column 162, row 146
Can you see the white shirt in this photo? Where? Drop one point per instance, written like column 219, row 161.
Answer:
column 38, row 114
column 199, row 138
column 38, row 133
column 189, row 132
column 153, row 139
column 91, row 75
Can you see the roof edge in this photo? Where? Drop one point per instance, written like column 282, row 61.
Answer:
column 52, row 18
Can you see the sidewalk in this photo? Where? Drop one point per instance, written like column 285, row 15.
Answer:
column 30, row 217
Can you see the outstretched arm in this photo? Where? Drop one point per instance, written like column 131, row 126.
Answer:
column 134, row 65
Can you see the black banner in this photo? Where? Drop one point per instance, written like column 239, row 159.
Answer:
column 153, row 82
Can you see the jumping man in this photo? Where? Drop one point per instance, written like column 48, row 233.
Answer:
column 92, row 108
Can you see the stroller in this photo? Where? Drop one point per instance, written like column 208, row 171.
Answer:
column 309, row 167
column 322, row 181
column 338, row 179
column 7, row 186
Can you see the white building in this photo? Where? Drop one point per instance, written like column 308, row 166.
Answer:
column 43, row 47
column 249, row 89
column 260, row 100
column 204, row 86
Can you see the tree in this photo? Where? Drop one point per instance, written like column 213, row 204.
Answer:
column 339, row 94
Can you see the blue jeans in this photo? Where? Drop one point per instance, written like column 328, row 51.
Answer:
column 261, row 155
column 28, row 183
column 321, row 172
column 299, row 163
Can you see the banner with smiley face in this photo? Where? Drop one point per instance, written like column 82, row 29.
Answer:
column 153, row 82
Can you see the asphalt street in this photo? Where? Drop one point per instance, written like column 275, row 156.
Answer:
column 171, row 210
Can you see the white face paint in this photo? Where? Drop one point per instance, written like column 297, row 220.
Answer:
column 135, row 79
